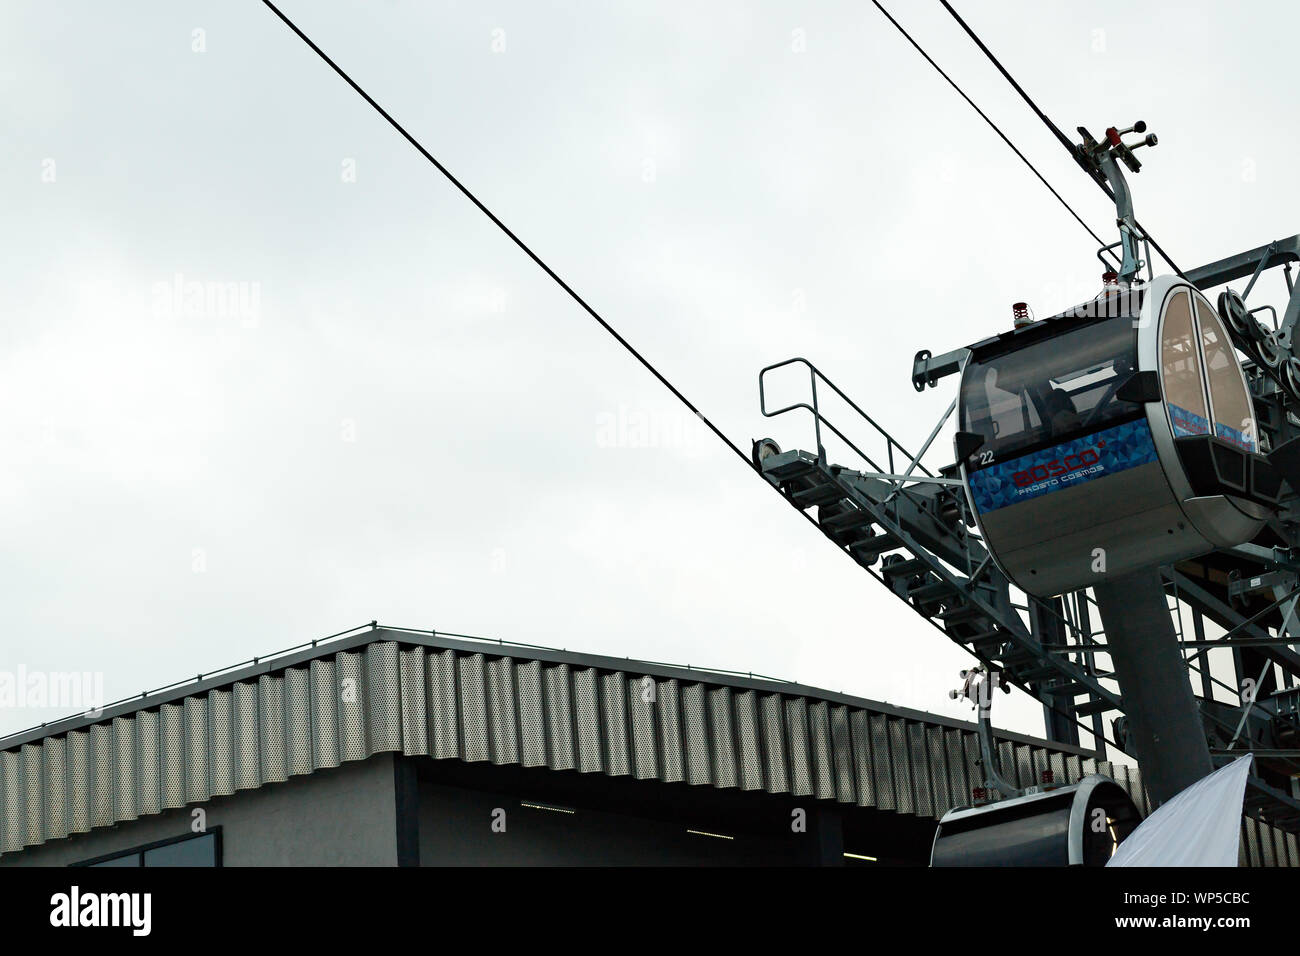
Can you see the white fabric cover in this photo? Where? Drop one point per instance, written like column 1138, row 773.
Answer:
column 1201, row 826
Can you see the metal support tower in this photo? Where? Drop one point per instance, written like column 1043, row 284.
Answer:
column 1164, row 722
column 905, row 522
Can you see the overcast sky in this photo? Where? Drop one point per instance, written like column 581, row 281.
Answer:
column 399, row 417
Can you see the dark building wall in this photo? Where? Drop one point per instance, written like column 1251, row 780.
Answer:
column 569, row 818
column 340, row 816
column 456, row 828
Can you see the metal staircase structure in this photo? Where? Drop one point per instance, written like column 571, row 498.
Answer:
column 908, row 525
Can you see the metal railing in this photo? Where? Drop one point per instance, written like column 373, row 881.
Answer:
column 814, row 375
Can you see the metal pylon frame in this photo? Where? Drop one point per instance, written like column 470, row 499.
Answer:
column 907, row 524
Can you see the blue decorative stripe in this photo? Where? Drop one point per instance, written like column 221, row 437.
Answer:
column 1187, row 422
column 1071, row 463
column 1236, row 437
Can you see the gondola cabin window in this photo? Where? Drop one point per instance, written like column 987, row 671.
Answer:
column 1230, row 404
column 1050, row 391
column 1180, row 368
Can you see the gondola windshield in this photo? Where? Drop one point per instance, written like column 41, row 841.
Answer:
column 1050, row 391
column 1191, row 408
column 1234, row 415
column 1181, row 367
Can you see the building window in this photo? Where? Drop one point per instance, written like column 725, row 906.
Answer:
column 202, row 849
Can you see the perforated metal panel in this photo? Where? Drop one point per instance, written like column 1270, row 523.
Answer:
column 383, row 704
column 349, row 672
column 695, row 730
column 863, row 775
column 1252, row 843
column 270, row 692
column 1007, row 761
column 171, row 761
column 613, row 706
column 974, row 768
column 248, row 774
column 842, row 755
column 1056, row 761
column 34, row 804
column 297, row 721
column 799, row 749
column 669, row 716
column 723, row 738
column 559, row 717
column 325, row 714
column 102, row 808
column 79, row 781
column 221, row 749
column 1266, row 850
column 747, row 741
column 124, row 775
column 149, row 786
column 882, row 764
column 473, row 697
column 642, row 702
column 958, row 785
column 503, row 741
column 937, row 754
column 1277, row 846
column 1024, row 766
column 1041, row 765
column 532, row 720
column 901, row 767
column 823, row 765
column 919, row 752
column 414, row 701
column 1271, row 855
column 586, row 711
column 14, row 835
column 444, row 733
column 1120, row 774
column 1073, row 771
column 1132, row 782
column 775, row 763
column 198, row 750
column 54, row 782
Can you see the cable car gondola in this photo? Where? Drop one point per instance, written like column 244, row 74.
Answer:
column 1114, row 437
column 1077, row 825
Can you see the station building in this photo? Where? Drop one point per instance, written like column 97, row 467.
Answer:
column 392, row 747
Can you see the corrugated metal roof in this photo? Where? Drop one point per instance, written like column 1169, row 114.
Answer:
column 423, row 694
